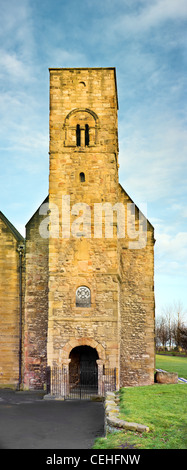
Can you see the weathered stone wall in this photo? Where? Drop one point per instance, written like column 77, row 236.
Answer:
column 121, row 316
column 36, row 305
column 9, row 307
column 137, row 307
column 79, row 96
column 119, row 323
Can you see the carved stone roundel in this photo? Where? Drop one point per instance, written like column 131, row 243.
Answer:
column 83, row 292
column 83, row 296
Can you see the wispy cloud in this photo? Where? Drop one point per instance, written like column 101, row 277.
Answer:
column 171, row 253
column 17, row 27
column 12, row 68
column 69, row 57
column 21, row 128
column 148, row 15
column 153, row 158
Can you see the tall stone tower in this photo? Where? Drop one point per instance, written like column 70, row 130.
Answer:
column 89, row 283
column 83, row 260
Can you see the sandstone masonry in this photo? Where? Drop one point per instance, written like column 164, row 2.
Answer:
column 10, row 240
column 113, row 280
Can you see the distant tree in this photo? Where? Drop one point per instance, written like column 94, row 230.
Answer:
column 167, row 313
column 169, row 326
column 178, row 324
column 161, row 332
column 183, row 337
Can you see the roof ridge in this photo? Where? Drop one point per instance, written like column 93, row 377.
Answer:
column 13, row 229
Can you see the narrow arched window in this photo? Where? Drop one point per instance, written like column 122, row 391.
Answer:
column 78, row 135
column 87, row 134
column 82, row 177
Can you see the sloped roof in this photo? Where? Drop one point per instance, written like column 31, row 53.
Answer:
column 13, row 229
column 45, row 200
column 123, row 190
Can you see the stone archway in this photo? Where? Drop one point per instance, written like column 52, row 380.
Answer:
column 83, row 368
column 83, row 342
column 96, row 355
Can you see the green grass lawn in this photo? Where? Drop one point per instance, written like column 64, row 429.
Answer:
column 161, row 407
column 172, row 364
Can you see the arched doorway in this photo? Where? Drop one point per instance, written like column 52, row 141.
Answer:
column 83, row 371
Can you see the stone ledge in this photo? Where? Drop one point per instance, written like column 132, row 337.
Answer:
column 113, row 423
column 54, row 397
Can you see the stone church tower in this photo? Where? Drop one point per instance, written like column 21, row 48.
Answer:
column 89, row 258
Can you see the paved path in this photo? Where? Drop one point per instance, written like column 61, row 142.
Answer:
column 29, row 422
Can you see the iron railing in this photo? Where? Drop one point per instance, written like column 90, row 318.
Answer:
column 83, row 385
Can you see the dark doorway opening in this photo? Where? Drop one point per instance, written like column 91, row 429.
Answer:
column 83, row 372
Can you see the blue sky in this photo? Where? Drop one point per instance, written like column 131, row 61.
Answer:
column 146, row 41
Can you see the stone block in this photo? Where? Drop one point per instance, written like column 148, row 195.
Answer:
column 166, row 377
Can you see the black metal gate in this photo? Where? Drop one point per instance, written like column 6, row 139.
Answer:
column 83, row 384
column 86, row 383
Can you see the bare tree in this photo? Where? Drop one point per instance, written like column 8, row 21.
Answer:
column 178, row 323
column 168, row 314
column 161, row 332
column 183, row 338
column 170, row 325
column 157, row 333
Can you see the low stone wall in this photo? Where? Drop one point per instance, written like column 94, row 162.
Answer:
column 112, row 421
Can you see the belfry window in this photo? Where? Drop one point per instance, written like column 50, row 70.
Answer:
column 81, row 129
column 86, row 135
column 82, row 177
column 82, row 135
column 78, row 135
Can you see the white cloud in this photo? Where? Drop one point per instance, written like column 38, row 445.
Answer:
column 69, row 57
column 21, row 127
column 162, row 10
column 16, row 24
column 176, row 246
column 13, row 68
column 153, row 159
column 17, row 43
column 180, row 209
column 153, row 14
column 171, row 253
